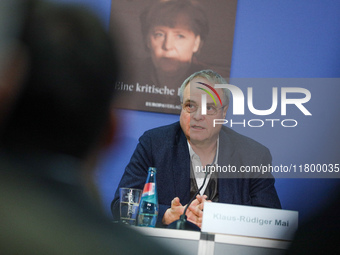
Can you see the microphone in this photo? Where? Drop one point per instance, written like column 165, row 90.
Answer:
column 182, row 223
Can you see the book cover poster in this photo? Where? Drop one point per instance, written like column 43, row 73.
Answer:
column 164, row 42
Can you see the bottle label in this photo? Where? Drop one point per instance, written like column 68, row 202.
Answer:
column 149, row 189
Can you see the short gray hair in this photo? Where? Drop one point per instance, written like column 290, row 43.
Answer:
column 212, row 77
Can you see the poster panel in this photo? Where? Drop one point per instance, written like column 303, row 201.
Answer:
column 164, row 42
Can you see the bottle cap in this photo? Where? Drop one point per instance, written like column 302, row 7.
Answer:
column 154, row 169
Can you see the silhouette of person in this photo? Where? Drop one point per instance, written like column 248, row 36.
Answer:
column 51, row 140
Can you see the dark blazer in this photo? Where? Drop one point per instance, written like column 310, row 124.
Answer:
column 166, row 149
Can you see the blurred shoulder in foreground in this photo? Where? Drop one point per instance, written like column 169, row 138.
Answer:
column 54, row 131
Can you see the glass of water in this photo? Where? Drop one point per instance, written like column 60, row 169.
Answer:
column 129, row 203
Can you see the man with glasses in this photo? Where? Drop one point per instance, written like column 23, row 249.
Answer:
column 183, row 151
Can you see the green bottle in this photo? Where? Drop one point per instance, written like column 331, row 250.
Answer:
column 148, row 207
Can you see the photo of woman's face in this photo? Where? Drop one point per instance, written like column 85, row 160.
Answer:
column 164, row 42
column 172, row 48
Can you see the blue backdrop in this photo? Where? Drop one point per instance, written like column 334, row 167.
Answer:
column 273, row 39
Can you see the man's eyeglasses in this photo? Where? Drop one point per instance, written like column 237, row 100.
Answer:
column 191, row 107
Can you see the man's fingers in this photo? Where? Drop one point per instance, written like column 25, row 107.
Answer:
column 196, row 220
column 201, row 199
column 175, row 202
column 196, row 223
column 196, row 210
column 195, row 202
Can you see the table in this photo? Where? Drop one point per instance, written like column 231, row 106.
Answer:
column 193, row 243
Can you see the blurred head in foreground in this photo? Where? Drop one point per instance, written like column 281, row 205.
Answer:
column 12, row 55
column 59, row 123
column 65, row 105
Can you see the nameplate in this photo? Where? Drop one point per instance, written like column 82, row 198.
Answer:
column 249, row 221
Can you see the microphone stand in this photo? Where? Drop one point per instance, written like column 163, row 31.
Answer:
column 182, row 223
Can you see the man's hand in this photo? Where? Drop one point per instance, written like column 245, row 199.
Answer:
column 174, row 212
column 195, row 211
